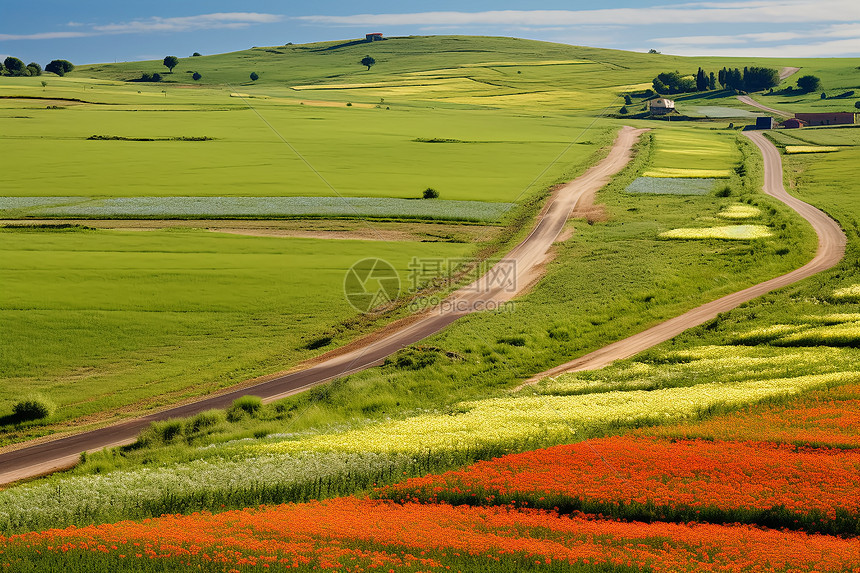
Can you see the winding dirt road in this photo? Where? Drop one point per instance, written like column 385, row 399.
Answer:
column 500, row 284
column 831, row 249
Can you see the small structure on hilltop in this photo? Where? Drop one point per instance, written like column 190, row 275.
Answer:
column 765, row 122
column 832, row 118
column 792, row 123
column 376, row 36
column 661, row 106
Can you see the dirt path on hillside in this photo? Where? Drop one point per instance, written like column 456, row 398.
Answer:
column 513, row 275
column 831, row 249
column 750, row 101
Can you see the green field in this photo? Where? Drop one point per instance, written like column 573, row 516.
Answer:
column 103, row 320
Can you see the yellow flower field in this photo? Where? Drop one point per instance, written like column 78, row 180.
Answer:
column 739, row 211
column 731, row 232
column 535, row 418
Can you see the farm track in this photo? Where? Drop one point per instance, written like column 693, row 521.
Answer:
column 520, row 268
column 831, row 249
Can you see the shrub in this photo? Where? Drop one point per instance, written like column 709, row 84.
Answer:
column 164, row 432
column 809, row 83
column 33, row 408
column 196, row 76
column 624, row 110
column 430, row 193
column 195, row 54
column 724, row 191
column 249, row 405
column 203, row 421
column 255, row 76
column 823, row 95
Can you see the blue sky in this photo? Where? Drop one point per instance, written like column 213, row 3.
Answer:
column 89, row 32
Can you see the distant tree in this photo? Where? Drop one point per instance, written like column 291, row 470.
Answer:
column 628, row 100
column 367, row 61
column 196, row 55
column 701, row 80
column 712, row 82
column 757, row 79
column 653, row 51
column 805, row 83
column 35, row 69
column 857, row 104
column 430, row 193
column 196, row 77
column 44, row 84
column 60, row 67
column 674, row 83
column 170, row 62
column 721, row 77
column 624, row 110
column 14, row 66
column 254, row 76
column 823, row 95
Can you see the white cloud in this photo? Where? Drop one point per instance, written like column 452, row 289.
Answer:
column 833, row 48
column 185, row 23
column 754, row 11
column 214, row 21
column 44, row 36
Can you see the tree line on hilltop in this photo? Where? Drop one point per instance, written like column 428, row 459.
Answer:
column 12, row 66
column 750, row 79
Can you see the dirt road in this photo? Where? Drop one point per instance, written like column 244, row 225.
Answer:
column 501, row 283
column 831, row 248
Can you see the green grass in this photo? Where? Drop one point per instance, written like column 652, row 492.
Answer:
column 104, row 320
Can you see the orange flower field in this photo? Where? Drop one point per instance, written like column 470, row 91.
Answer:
column 365, row 534
column 824, row 417
column 646, row 472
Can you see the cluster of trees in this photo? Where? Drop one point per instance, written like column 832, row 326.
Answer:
column 750, row 79
column 809, row 83
column 14, row 67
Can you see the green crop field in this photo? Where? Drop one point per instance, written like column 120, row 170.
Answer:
column 104, row 320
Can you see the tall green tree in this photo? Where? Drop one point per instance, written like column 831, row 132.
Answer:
column 35, row 69
column 701, row 80
column 170, row 62
column 367, row 61
column 805, row 83
column 14, row 66
column 60, row 67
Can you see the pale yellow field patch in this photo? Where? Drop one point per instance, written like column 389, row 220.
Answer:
column 810, row 149
column 670, row 172
column 729, row 232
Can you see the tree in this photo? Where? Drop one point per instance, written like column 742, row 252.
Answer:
column 653, row 51
column 195, row 55
column 857, row 104
column 628, row 100
column 624, row 110
column 196, row 77
column 758, row 79
column 14, row 66
column 712, row 82
column 806, row 83
column 254, row 76
column 701, row 80
column 430, row 193
column 170, row 62
column 367, row 61
column 60, row 67
column 35, row 69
